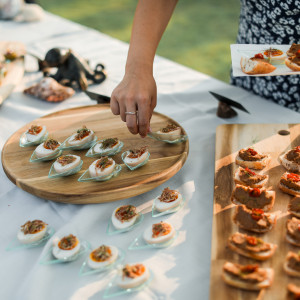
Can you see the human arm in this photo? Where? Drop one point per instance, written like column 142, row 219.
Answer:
column 137, row 90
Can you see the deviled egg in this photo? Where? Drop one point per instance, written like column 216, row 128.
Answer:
column 274, row 56
column 167, row 200
column 133, row 276
column 48, row 148
column 32, row 231
column 102, row 257
column 159, row 233
column 136, row 156
column 65, row 163
column 124, row 216
column 66, row 247
column 102, row 167
column 35, row 133
column 81, row 137
column 107, row 145
column 170, row 132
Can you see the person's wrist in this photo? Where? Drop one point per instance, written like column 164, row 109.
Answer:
column 139, row 67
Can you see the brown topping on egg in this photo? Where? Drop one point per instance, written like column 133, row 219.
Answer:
column 161, row 229
column 169, row 128
column 35, row 129
column 136, row 153
column 168, row 195
column 51, row 144
column 32, row 227
column 82, row 133
column 66, row 159
column 104, row 162
column 133, row 271
column 109, row 143
column 68, row 242
column 101, row 254
column 125, row 213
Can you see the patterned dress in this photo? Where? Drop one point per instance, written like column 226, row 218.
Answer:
column 271, row 22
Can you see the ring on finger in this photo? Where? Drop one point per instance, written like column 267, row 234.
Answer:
column 131, row 112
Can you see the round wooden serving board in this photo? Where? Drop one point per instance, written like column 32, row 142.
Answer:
column 165, row 159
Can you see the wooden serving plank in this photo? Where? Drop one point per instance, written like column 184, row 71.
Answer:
column 229, row 140
column 165, row 159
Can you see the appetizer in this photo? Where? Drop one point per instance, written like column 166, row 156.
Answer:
column 249, row 158
column 50, row 90
column 136, row 156
column 256, row 65
column 274, row 56
column 133, row 276
column 159, row 233
column 293, row 49
column 292, row 264
column 107, row 145
column 248, row 277
column 290, row 183
column 255, row 220
column 32, row 231
column 102, row 257
column 65, row 248
column 35, row 133
column 294, row 207
column 251, row 246
column 81, row 137
column 66, row 163
column 293, row 231
column 170, row 132
column 293, row 291
column 48, row 148
column 293, row 62
column 102, row 167
column 291, row 159
column 124, row 216
column 245, row 176
column 253, row 197
column 167, row 200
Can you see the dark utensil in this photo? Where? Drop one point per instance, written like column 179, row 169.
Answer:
column 98, row 97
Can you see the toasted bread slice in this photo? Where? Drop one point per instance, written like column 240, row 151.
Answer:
column 288, row 164
column 253, row 66
column 289, row 191
column 257, row 164
column 259, row 184
column 290, row 64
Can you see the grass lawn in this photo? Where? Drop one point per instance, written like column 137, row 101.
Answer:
column 198, row 36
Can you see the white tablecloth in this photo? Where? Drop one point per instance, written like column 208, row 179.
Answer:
column 180, row 271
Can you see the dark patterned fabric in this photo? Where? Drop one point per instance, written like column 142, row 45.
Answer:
column 271, row 22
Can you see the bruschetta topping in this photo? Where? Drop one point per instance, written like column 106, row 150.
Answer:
column 168, row 195
column 293, row 49
column 293, row 229
column 293, row 261
column 66, row 159
column 291, row 181
column 259, row 55
column 51, row 144
column 257, row 214
column 35, row 129
column 294, row 205
column 169, row 128
column 102, row 253
column 109, row 143
column 249, row 177
column 135, row 153
column 294, row 155
column 255, row 192
column 32, row 227
column 68, row 242
column 133, row 271
column 82, row 133
column 250, row 154
column 160, row 229
column 103, row 163
column 125, row 212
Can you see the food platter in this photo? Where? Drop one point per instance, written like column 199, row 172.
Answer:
column 274, row 139
column 165, row 159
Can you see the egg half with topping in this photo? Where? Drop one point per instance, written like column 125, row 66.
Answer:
column 124, row 216
column 102, row 167
column 167, row 200
column 66, row 163
column 133, row 275
column 81, row 137
column 136, row 156
column 48, row 148
column 102, row 257
column 159, row 233
column 35, row 133
column 66, row 247
column 274, row 56
column 32, row 231
column 106, row 145
column 170, row 132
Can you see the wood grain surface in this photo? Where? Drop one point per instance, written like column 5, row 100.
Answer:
column 165, row 159
column 229, row 140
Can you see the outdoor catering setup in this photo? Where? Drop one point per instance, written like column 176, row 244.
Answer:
column 90, row 211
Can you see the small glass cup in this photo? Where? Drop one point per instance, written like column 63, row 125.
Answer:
column 55, row 155
column 15, row 244
column 25, row 143
column 109, row 152
column 156, row 213
column 49, row 259
column 175, row 140
column 87, row 177
column 54, row 174
column 111, row 230
column 66, row 146
column 86, row 270
column 124, row 154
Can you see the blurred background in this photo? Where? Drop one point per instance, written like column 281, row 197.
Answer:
column 198, row 36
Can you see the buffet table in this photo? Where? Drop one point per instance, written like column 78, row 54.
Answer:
column 180, row 271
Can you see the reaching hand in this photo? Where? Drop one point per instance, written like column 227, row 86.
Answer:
column 135, row 93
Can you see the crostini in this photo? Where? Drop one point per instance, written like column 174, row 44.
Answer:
column 294, row 207
column 293, row 49
column 293, row 231
column 255, row 220
column 293, row 292
column 247, row 277
column 292, row 264
column 291, row 159
column 256, row 65
column 251, row 246
column 290, row 183
column 250, row 158
column 245, row 176
column 293, row 62
column 253, row 197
